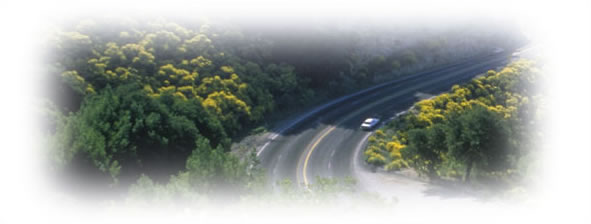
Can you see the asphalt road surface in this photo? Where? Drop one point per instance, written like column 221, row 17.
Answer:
column 323, row 144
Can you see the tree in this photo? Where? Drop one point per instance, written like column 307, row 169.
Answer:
column 213, row 170
column 231, row 111
column 123, row 129
column 197, row 46
column 147, row 93
column 429, row 145
column 478, row 136
column 163, row 44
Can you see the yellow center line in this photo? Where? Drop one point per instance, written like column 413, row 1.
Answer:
column 310, row 153
column 368, row 106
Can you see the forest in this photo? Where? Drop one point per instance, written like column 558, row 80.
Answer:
column 490, row 125
column 159, row 102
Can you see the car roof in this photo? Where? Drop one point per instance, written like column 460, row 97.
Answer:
column 370, row 120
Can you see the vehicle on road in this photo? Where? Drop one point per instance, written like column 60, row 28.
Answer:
column 370, row 123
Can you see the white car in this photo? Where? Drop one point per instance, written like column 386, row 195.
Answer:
column 369, row 123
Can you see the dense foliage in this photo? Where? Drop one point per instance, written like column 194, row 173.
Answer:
column 163, row 101
column 488, row 123
column 138, row 98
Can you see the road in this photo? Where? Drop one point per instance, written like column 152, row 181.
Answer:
column 323, row 142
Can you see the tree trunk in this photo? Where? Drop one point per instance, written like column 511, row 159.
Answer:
column 468, row 170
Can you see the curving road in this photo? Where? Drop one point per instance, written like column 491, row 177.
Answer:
column 323, row 142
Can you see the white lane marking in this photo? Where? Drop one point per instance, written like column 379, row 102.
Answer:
column 262, row 148
column 338, row 100
column 330, row 159
column 355, row 157
column 343, row 98
column 278, row 162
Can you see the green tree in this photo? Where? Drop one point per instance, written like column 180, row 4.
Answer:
column 479, row 136
column 215, row 171
column 231, row 111
column 429, row 144
column 123, row 129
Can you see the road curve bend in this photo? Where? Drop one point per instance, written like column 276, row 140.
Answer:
column 323, row 141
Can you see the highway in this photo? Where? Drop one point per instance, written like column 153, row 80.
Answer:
column 322, row 142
